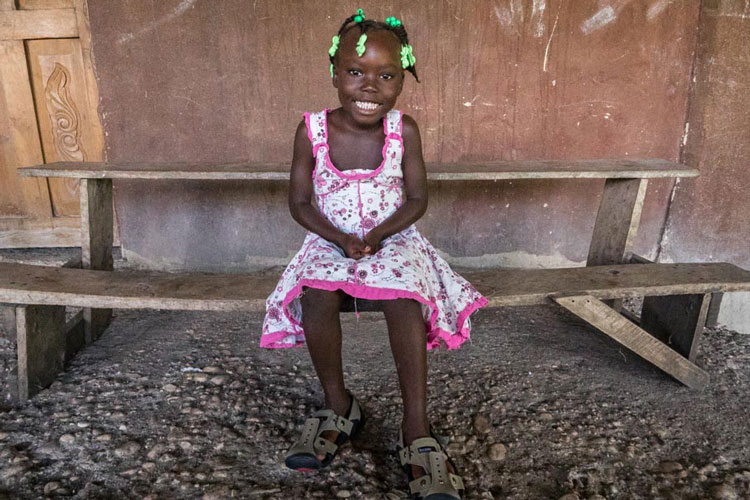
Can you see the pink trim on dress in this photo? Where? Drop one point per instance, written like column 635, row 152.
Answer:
column 315, row 147
column 434, row 334
column 365, row 172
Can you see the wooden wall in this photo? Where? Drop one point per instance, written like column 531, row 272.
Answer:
column 515, row 79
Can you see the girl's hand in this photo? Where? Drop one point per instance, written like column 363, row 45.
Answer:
column 373, row 240
column 354, row 248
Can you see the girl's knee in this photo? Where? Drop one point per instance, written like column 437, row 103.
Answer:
column 399, row 305
column 320, row 297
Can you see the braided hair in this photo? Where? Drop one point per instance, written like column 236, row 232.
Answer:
column 369, row 24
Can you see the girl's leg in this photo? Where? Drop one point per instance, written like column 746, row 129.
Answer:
column 322, row 326
column 408, row 339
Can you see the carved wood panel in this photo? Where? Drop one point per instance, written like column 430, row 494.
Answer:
column 48, row 112
column 66, row 127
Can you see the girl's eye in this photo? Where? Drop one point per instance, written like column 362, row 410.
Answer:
column 386, row 76
column 355, row 72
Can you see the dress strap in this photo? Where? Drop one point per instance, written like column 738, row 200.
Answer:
column 393, row 122
column 317, row 129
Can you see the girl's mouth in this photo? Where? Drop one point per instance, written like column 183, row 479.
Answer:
column 366, row 106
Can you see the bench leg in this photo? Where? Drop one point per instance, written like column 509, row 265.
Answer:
column 97, row 223
column 40, row 337
column 45, row 344
column 676, row 320
column 630, row 335
column 712, row 317
column 617, row 221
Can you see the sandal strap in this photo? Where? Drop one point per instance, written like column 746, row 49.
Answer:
column 311, row 442
column 333, row 422
column 422, row 486
column 305, row 445
column 437, row 479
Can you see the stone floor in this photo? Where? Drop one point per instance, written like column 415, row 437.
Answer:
column 538, row 405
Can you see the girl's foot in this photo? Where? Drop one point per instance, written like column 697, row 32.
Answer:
column 322, row 436
column 432, row 475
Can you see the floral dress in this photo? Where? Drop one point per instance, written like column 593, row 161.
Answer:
column 406, row 266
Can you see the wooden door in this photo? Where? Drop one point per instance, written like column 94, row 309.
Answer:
column 48, row 112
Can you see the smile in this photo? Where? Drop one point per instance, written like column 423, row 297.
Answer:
column 366, row 105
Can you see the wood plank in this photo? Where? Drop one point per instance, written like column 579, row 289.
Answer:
column 634, row 338
column 34, row 24
column 499, row 170
column 95, row 144
column 96, row 223
column 42, row 347
column 712, row 316
column 40, row 238
column 8, row 322
column 44, row 4
column 56, row 71
column 509, row 287
column 96, row 243
column 616, row 221
column 676, row 320
column 23, row 284
column 20, row 145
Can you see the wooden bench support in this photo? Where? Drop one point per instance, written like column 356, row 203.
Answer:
column 614, row 325
column 616, row 221
column 676, row 320
column 45, row 344
column 712, row 317
column 97, row 225
column 40, row 334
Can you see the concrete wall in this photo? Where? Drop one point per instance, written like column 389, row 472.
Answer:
column 228, row 80
column 709, row 217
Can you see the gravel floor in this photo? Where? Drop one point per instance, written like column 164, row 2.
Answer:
column 185, row 405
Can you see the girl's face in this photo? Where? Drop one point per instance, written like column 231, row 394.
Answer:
column 368, row 86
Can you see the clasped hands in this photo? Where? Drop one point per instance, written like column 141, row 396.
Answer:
column 356, row 248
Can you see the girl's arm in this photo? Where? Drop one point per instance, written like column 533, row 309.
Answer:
column 415, row 188
column 300, row 199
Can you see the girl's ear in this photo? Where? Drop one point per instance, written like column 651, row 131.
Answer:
column 335, row 79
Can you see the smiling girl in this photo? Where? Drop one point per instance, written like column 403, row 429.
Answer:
column 358, row 184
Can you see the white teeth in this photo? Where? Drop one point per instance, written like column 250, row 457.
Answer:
column 369, row 106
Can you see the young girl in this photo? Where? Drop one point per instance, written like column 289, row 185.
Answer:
column 363, row 164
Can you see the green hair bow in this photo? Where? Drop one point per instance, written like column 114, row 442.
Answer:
column 334, row 46
column 393, row 22
column 407, row 56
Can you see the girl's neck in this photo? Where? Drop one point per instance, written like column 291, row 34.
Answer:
column 348, row 124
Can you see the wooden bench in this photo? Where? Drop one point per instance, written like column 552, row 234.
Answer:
column 674, row 311
column 614, row 231
column 677, row 297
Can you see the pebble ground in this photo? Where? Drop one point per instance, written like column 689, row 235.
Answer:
column 538, row 405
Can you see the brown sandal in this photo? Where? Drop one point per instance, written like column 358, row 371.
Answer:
column 437, row 483
column 303, row 455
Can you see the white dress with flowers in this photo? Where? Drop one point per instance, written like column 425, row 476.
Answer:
column 406, row 266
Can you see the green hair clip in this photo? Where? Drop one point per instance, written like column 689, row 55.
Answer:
column 360, row 16
column 407, row 56
column 361, row 44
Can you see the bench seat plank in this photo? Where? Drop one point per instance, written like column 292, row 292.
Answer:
column 521, row 287
column 25, row 284
column 496, row 170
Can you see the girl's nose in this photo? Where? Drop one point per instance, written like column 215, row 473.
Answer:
column 368, row 84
